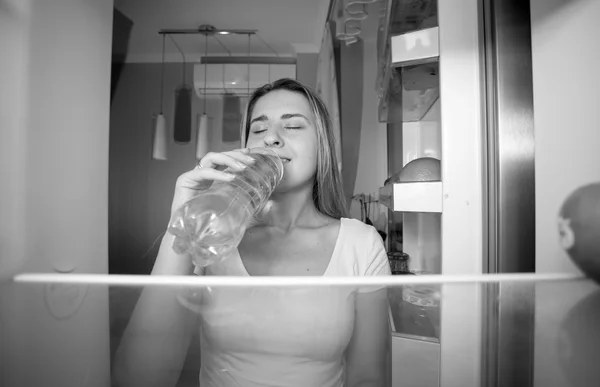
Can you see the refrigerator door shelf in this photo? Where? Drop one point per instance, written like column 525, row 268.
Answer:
column 412, row 197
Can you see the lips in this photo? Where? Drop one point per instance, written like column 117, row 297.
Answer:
column 285, row 159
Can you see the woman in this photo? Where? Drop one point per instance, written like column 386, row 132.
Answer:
column 274, row 337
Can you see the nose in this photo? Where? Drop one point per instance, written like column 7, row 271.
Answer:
column 273, row 139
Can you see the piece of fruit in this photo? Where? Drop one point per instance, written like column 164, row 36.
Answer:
column 421, row 169
column 579, row 229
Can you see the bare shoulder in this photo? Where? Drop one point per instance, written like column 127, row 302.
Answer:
column 358, row 229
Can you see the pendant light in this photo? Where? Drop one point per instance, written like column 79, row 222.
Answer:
column 159, row 148
column 182, row 121
column 202, row 134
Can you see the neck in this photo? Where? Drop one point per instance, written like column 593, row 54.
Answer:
column 290, row 209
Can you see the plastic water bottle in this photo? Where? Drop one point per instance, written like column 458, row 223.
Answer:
column 213, row 223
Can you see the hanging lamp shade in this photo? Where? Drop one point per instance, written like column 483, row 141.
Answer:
column 182, row 123
column 159, row 148
column 202, row 136
column 160, row 139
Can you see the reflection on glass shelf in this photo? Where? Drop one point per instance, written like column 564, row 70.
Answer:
column 415, row 311
column 66, row 329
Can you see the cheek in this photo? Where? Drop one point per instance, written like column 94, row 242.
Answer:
column 309, row 163
column 252, row 142
column 309, row 149
column 312, row 161
column 312, row 155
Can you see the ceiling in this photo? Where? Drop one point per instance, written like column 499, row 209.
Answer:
column 287, row 26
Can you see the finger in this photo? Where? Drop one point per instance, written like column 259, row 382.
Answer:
column 197, row 178
column 242, row 150
column 235, row 160
column 241, row 155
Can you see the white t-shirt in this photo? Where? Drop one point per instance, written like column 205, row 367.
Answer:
column 287, row 337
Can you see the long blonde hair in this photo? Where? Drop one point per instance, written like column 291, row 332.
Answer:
column 328, row 194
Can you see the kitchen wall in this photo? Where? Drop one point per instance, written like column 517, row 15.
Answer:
column 306, row 68
column 54, row 108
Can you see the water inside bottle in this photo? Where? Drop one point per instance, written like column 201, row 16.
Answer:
column 211, row 225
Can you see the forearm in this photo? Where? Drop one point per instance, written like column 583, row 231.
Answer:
column 155, row 342
column 168, row 262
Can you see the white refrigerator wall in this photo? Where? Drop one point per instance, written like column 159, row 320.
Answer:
column 54, row 121
column 566, row 85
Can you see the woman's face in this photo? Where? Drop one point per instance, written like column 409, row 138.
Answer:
column 282, row 120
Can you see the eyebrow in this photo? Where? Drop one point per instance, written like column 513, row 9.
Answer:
column 287, row 116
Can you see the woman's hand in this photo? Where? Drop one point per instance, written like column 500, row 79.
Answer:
column 210, row 168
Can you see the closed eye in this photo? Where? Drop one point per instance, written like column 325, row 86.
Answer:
column 259, row 128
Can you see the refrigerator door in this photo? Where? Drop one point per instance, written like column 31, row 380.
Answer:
column 458, row 89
